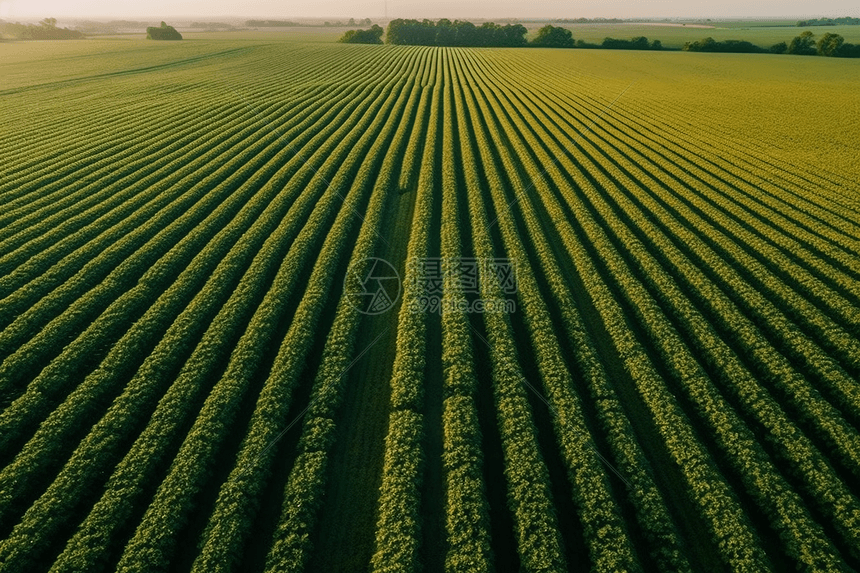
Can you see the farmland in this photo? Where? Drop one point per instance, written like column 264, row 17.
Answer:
column 189, row 379
column 675, row 35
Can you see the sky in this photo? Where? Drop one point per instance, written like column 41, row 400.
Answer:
column 33, row 10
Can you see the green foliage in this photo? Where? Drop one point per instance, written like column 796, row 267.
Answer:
column 467, row 521
column 829, row 44
column 802, row 45
column 529, row 495
column 46, row 30
column 553, row 37
column 291, row 547
column 457, row 33
column 399, row 518
column 640, row 43
column 726, row 46
column 163, row 32
column 829, row 22
column 846, row 50
column 372, row 35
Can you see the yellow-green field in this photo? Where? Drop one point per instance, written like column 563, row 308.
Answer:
column 275, row 304
column 674, row 36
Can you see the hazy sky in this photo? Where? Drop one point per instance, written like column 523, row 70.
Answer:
column 160, row 9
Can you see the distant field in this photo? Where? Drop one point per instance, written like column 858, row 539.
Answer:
column 673, row 36
column 223, row 269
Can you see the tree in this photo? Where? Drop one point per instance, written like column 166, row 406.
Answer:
column 446, row 33
column 779, row 48
column 553, row 37
column 803, row 45
column 371, row 36
column 163, row 32
column 829, row 44
column 46, row 30
column 848, row 51
column 514, row 35
column 457, row 33
column 730, row 46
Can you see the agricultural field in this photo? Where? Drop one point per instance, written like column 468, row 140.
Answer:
column 674, row 36
column 277, row 305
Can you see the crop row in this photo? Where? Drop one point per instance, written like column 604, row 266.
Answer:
column 307, row 479
column 155, row 442
column 121, row 359
column 467, row 521
column 398, row 526
column 540, row 545
column 665, row 288
column 605, row 536
column 652, row 512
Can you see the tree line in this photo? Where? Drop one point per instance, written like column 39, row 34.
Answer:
column 489, row 34
column 456, row 33
column 847, row 20
column 830, row 44
column 370, row 36
column 45, row 30
column 466, row 34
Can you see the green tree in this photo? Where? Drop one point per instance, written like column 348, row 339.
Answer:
column 803, row 45
column 829, row 44
column 163, row 32
column 371, row 36
column 553, row 37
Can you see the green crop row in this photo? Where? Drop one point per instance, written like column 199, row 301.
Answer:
column 78, row 301
column 609, row 546
column 733, row 535
column 92, row 140
column 832, row 375
column 223, row 331
column 398, row 527
column 651, row 510
column 238, row 501
column 836, row 382
column 467, row 520
column 155, row 443
column 307, row 479
column 807, row 543
column 529, row 492
column 126, row 351
column 152, row 543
